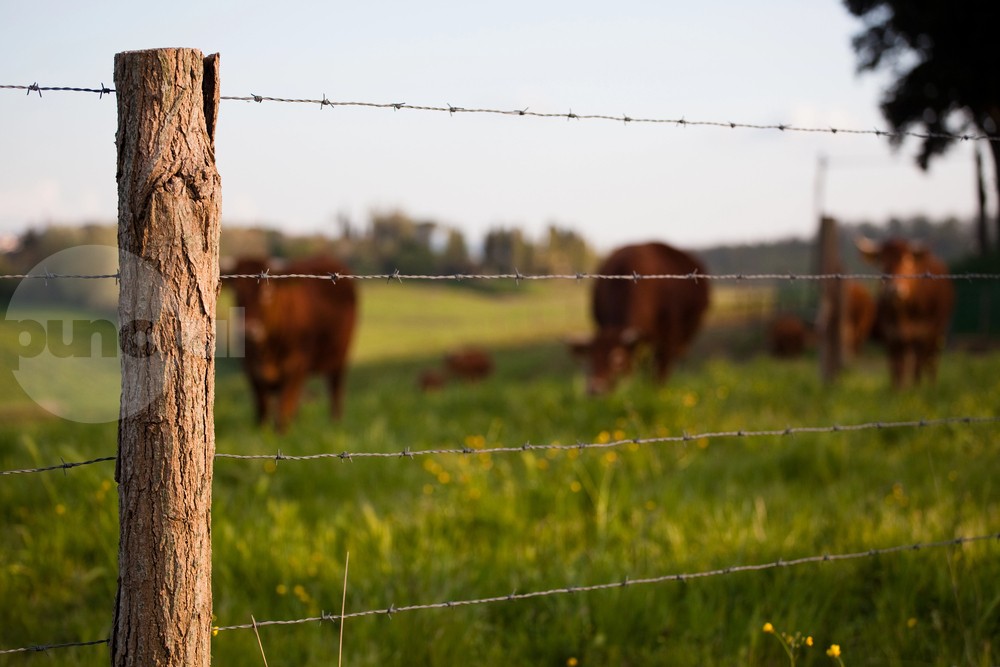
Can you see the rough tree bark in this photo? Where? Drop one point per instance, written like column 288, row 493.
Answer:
column 169, row 205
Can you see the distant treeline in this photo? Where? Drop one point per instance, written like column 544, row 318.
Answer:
column 394, row 241
column 950, row 239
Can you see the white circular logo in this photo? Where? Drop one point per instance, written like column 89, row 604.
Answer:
column 68, row 340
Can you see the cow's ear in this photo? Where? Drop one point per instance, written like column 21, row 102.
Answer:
column 920, row 250
column 579, row 347
column 870, row 251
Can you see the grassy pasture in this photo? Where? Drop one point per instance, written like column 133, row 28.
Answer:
column 451, row 527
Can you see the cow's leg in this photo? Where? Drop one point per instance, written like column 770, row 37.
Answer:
column 260, row 401
column 897, row 365
column 911, row 364
column 661, row 362
column 666, row 347
column 288, row 401
column 335, row 385
column 927, row 358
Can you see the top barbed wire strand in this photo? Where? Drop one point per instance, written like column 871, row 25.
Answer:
column 569, row 115
column 518, row 276
column 579, row 446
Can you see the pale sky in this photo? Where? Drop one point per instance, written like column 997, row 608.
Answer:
column 297, row 168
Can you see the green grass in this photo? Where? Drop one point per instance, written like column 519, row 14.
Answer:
column 451, row 527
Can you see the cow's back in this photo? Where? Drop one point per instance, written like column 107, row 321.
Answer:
column 648, row 305
column 315, row 317
column 940, row 295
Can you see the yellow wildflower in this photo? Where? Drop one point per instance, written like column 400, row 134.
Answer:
column 768, row 628
column 833, row 651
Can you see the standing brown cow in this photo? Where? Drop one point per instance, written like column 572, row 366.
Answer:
column 663, row 313
column 294, row 328
column 860, row 316
column 913, row 312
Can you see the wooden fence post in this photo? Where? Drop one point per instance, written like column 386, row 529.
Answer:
column 831, row 321
column 169, row 205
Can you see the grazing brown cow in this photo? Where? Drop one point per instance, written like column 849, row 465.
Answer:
column 663, row 313
column 468, row 364
column 294, row 328
column 913, row 313
column 431, row 380
column 788, row 336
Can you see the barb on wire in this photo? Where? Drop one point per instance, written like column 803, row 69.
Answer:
column 627, row 581
column 569, row 115
column 686, row 437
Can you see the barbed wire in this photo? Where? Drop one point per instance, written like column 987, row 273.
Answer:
column 579, row 446
column 62, row 466
column 612, row 444
column 517, row 276
column 48, row 647
column 568, row 115
column 625, row 582
column 35, row 88
column 58, row 276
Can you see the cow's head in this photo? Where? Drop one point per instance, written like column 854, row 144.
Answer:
column 608, row 356
column 905, row 261
column 253, row 294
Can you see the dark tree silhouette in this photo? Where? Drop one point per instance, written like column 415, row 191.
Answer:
column 944, row 56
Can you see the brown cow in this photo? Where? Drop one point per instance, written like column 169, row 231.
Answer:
column 860, row 316
column 913, row 313
column 294, row 328
column 663, row 313
column 469, row 364
column 788, row 336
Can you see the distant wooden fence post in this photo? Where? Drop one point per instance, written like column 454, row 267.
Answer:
column 832, row 318
column 168, row 243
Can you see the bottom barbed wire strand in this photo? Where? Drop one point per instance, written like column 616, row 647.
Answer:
column 567, row 590
column 626, row 581
column 48, row 647
column 61, row 466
